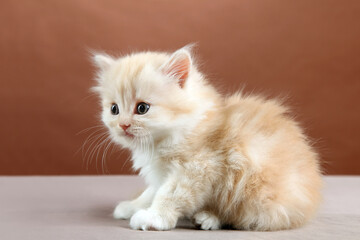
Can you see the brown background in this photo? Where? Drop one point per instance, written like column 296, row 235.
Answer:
column 306, row 49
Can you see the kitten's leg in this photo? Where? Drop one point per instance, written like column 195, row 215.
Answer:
column 207, row 220
column 178, row 197
column 124, row 210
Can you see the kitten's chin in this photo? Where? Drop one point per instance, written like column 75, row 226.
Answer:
column 131, row 141
column 122, row 140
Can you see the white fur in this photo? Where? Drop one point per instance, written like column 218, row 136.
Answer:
column 124, row 210
column 147, row 219
column 207, row 221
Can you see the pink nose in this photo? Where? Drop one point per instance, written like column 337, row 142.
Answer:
column 124, row 126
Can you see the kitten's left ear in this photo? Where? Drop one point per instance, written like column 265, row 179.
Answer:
column 178, row 66
column 103, row 61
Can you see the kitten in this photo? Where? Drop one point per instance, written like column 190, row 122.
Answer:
column 238, row 160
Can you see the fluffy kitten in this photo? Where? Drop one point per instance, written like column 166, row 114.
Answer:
column 238, row 160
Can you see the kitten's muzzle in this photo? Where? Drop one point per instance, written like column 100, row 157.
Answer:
column 125, row 127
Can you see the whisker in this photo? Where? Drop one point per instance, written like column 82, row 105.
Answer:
column 127, row 159
column 91, row 142
column 98, row 146
column 87, row 140
column 97, row 150
column 90, row 128
column 103, row 160
column 92, row 149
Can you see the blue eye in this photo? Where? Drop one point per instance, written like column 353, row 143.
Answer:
column 114, row 109
column 142, row 108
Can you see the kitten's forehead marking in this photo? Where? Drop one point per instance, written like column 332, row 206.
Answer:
column 126, row 74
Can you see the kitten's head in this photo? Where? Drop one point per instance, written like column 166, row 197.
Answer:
column 149, row 97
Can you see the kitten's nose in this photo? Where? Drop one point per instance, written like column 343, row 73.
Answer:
column 125, row 126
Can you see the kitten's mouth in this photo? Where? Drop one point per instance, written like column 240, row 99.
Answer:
column 129, row 134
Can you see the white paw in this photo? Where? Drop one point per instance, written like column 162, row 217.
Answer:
column 124, row 210
column 206, row 221
column 150, row 220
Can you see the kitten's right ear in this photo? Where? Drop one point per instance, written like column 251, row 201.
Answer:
column 103, row 61
column 179, row 65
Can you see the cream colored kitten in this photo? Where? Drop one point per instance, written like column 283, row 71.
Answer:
column 238, row 160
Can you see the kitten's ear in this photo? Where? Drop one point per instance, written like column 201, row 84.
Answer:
column 178, row 66
column 102, row 61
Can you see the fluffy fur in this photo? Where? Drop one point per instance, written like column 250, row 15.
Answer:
column 238, row 160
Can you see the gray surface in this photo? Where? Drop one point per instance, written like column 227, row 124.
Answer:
column 80, row 208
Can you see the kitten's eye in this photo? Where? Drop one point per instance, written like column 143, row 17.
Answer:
column 142, row 108
column 114, row 109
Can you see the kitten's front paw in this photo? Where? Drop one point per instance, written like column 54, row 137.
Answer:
column 151, row 220
column 206, row 221
column 124, row 210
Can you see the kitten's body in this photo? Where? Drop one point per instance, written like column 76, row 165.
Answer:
column 240, row 161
